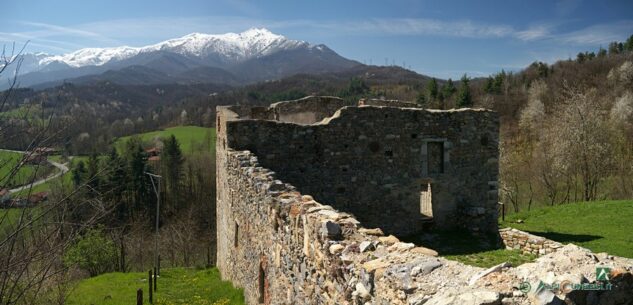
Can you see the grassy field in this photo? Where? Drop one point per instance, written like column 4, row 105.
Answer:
column 65, row 180
column 463, row 247
column 191, row 138
column 8, row 160
column 603, row 226
column 175, row 286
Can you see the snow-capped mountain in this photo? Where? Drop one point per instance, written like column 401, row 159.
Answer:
column 232, row 58
column 231, row 46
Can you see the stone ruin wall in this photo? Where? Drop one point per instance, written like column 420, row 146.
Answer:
column 388, row 103
column 304, row 111
column 515, row 239
column 284, row 247
column 360, row 162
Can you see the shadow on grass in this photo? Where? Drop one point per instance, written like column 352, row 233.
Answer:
column 566, row 238
column 456, row 242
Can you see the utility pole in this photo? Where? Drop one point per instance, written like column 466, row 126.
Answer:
column 157, row 191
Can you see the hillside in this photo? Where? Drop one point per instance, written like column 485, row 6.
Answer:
column 191, row 138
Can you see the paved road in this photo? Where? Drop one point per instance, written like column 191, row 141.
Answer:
column 63, row 168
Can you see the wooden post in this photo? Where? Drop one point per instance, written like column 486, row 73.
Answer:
column 151, row 300
column 122, row 262
column 503, row 211
column 155, row 277
column 139, row 296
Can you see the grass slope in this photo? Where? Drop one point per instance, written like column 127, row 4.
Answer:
column 8, row 160
column 603, row 226
column 64, row 181
column 175, row 286
column 191, row 138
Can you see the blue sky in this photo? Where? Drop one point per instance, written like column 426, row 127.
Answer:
column 438, row 38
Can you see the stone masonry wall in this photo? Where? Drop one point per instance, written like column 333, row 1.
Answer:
column 388, row 103
column 308, row 110
column 372, row 162
column 527, row 243
column 283, row 247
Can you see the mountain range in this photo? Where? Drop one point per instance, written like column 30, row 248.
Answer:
column 229, row 59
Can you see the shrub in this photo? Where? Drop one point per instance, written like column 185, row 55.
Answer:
column 93, row 252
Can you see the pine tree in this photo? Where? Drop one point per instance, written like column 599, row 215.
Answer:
column 421, row 100
column 628, row 45
column 488, row 87
column 431, row 88
column 93, row 173
column 497, row 85
column 78, row 173
column 449, row 88
column 602, row 52
column 614, row 48
column 137, row 186
column 115, row 181
column 464, row 98
column 172, row 162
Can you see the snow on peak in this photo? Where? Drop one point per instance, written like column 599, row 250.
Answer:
column 251, row 43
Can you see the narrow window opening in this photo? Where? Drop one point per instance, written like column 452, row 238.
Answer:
column 435, row 157
column 414, row 136
column 262, row 284
column 388, row 153
column 236, row 236
column 426, row 200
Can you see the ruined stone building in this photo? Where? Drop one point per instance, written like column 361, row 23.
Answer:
column 299, row 181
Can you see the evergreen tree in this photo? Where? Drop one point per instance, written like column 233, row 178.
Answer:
column 78, row 173
column 614, row 48
column 431, row 88
column 172, row 162
column 464, row 98
column 449, row 88
column 497, row 85
column 93, row 173
column 488, row 87
column 628, row 45
column 115, row 181
column 137, row 187
column 421, row 100
column 602, row 52
column 355, row 87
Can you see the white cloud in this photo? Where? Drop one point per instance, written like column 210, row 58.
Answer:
column 599, row 34
column 533, row 33
column 411, row 26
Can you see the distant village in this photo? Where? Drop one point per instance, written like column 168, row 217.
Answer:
column 38, row 156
